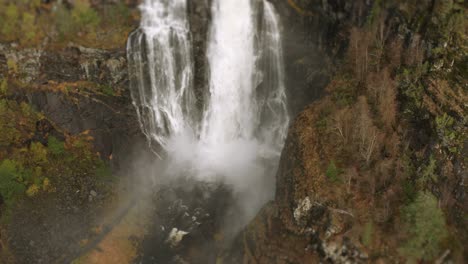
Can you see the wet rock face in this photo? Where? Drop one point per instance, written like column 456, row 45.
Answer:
column 113, row 128
column 188, row 219
column 79, row 63
column 23, row 63
column 312, row 43
column 110, row 119
column 199, row 19
column 75, row 63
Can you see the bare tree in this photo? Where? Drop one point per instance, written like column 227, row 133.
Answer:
column 359, row 52
column 341, row 125
column 365, row 132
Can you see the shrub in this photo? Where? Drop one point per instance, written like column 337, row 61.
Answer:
column 84, row 17
column 103, row 170
column 447, row 133
column 11, row 177
column 63, row 22
column 28, row 27
column 3, row 87
column 9, row 20
column 409, row 190
column 118, row 12
column 425, row 224
column 375, row 12
column 11, row 186
column 332, row 172
column 38, row 153
column 367, row 234
column 80, row 154
column 428, row 173
column 343, row 90
column 46, row 186
column 56, row 147
column 12, row 66
column 32, row 190
column 9, row 134
column 107, row 90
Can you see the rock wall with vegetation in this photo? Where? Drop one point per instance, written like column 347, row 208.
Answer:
column 66, row 122
column 374, row 171
column 313, row 41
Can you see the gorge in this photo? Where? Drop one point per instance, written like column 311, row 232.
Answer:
column 233, row 131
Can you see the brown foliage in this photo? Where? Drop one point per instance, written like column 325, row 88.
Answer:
column 382, row 90
column 365, row 134
column 342, row 124
column 442, row 96
column 358, row 52
column 394, row 53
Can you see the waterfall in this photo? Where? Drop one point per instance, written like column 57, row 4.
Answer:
column 161, row 70
column 239, row 132
column 271, row 94
column 231, row 111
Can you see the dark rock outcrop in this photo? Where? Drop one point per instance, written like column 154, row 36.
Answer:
column 312, row 43
column 187, row 226
column 77, row 63
column 105, row 110
column 199, row 18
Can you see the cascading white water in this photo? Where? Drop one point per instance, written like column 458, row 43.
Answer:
column 246, row 119
column 271, row 92
column 242, row 127
column 231, row 111
column 161, row 70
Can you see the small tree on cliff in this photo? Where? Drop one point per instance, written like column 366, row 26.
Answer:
column 332, row 172
column 425, row 223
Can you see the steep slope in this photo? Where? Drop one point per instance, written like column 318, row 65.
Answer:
column 66, row 121
column 374, row 170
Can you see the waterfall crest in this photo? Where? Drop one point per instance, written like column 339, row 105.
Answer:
column 239, row 133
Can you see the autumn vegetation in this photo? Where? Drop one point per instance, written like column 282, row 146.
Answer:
column 34, row 23
column 38, row 158
column 393, row 126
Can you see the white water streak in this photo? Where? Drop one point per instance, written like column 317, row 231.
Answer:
column 244, row 122
column 161, row 70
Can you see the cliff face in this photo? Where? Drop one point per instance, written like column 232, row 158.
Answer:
column 313, row 42
column 72, row 78
column 373, row 168
column 67, row 122
column 77, row 93
column 199, row 20
column 364, row 175
column 70, row 86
